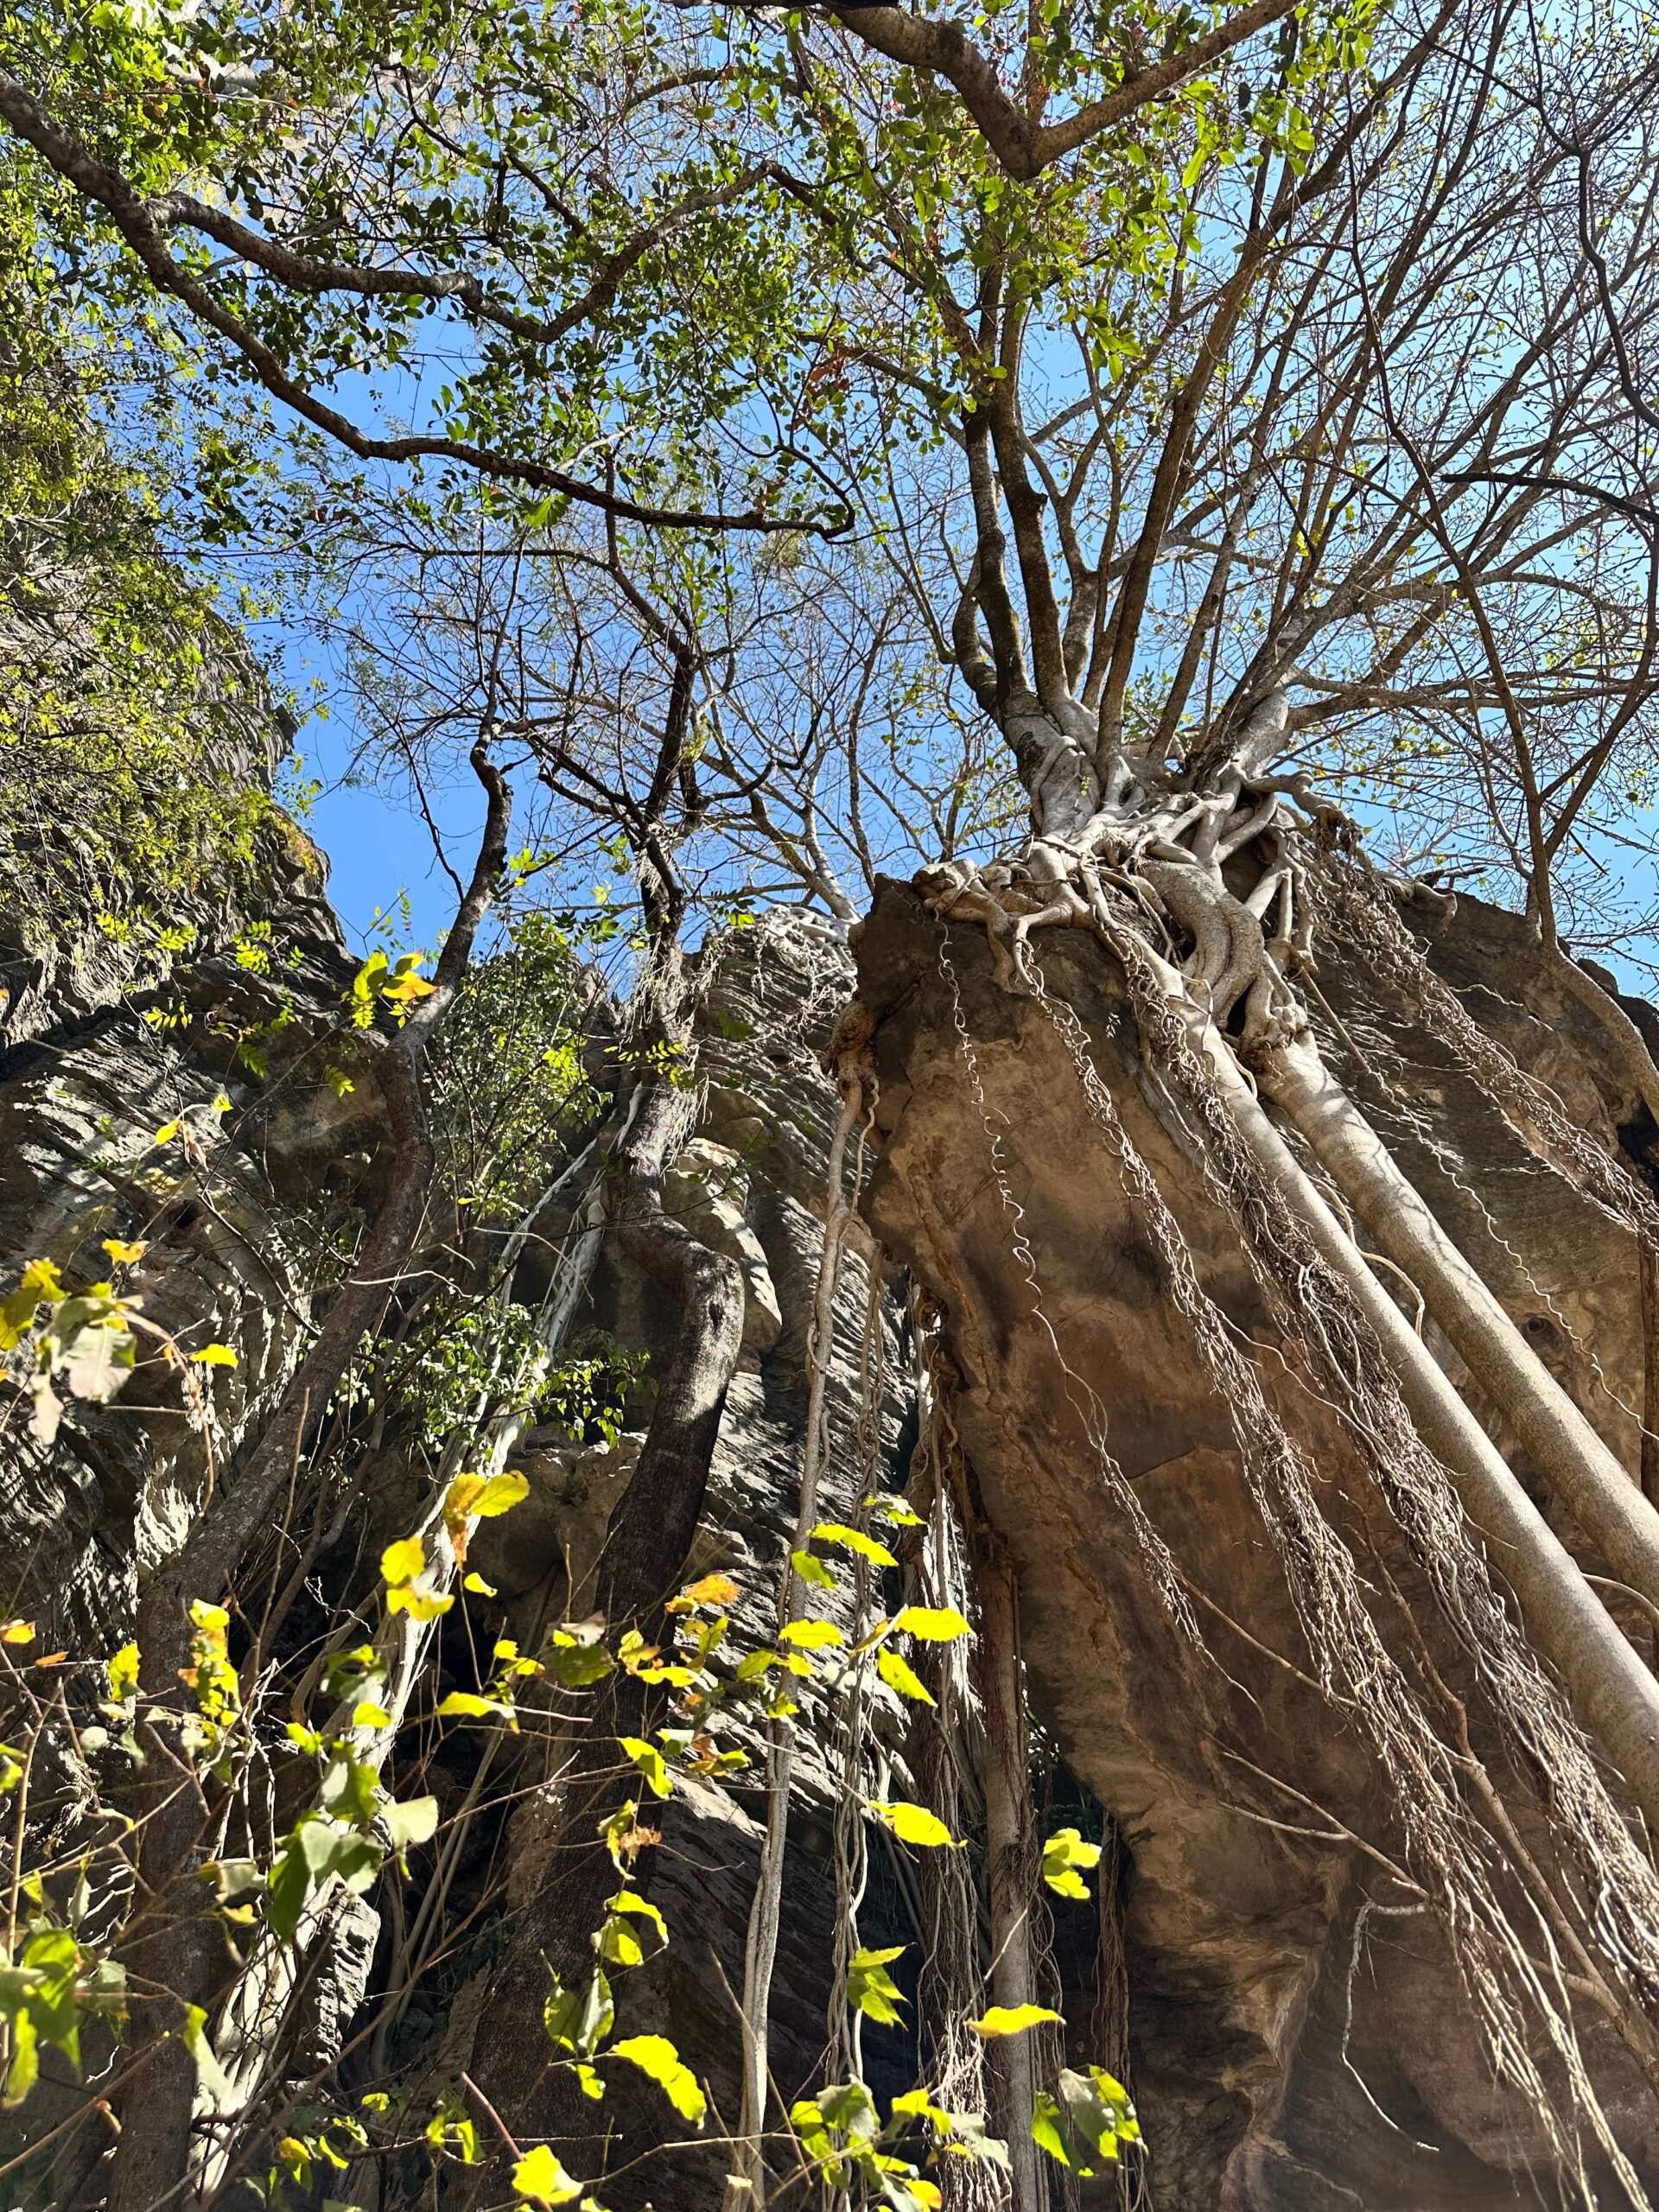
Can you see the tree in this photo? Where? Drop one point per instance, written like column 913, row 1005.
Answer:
column 1283, row 453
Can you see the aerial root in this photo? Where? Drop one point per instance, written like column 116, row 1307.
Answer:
column 1194, row 948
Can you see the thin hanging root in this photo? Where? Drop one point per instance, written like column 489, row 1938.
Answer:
column 746, row 2187
column 944, row 1757
column 1155, row 1554
column 1317, row 1310
column 1360, row 914
column 1127, row 875
column 1013, row 1857
column 1446, row 1850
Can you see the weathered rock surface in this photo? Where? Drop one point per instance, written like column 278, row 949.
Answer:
column 1296, row 2047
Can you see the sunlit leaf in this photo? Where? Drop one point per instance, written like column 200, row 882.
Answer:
column 650, row 1762
column 658, row 2059
column 930, row 1624
column 810, row 1636
column 914, row 1824
column 540, row 2179
column 871, row 1989
column 402, row 1561
column 1066, row 1858
column 854, row 1540
column 897, row 1675
column 1012, row 2020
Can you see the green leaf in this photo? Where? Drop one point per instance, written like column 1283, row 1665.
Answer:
column 578, row 1665
column 1094, row 2115
column 871, row 1989
column 658, row 2059
column 1012, row 2020
column 410, row 1820
column 467, row 1705
column 1046, row 2119
column 540, row 2179
column 854, row 1540
column 895, row 1509
column 96, row 1361
column 617, row 1945
column 124, row 1673
column 210, row 2075
column 812, row 1570
column 25, row 2069
column 930, row 1624
column 501, row 1494
column 650, row 1762
column 897, row 1675
column 914, row 1824
column 642, row 1908
column 579, row 2020
column 286, row 1891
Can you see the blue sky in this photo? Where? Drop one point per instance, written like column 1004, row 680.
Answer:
column 379, row 849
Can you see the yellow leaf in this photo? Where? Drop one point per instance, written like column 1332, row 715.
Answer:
column 854, row 1540
column 467, row 1705
column 501, row 1494
column 368, row 1714
column 123, row 1672
column 214, row 1356
column 898, row 1675
column 1012, row 2020
column 419, row 1605
column 540, row 2178
column 914, row 1824
column 479, row 1586
column 650, row 1762
column 810, row 1636
column 931, row 1623
column 658, row 2059
column 403, row 1561
column 123, row 1254
column 17, row 1631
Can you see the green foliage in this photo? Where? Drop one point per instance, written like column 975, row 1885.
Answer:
column 124, row 699
column 507, row 1076
column 469, row 1353
column 872, row 1990
column 1086, row 2125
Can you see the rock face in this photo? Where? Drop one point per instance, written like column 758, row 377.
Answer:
column 227, row 1205
column 1300, row 2041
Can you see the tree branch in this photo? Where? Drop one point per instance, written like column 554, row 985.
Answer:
column 143, row 231
column 1024, row 146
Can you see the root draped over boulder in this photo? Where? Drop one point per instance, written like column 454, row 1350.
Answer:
column 1208, row 899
